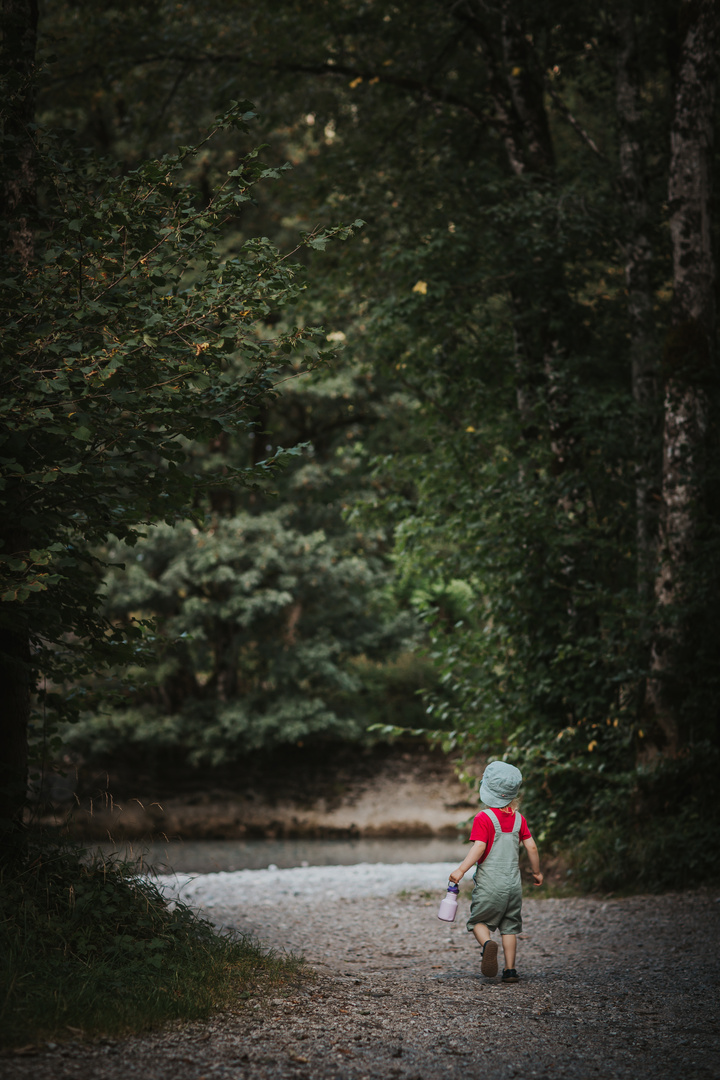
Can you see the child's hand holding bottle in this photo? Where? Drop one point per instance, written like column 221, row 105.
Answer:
column 449, row 904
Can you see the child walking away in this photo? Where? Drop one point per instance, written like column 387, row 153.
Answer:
column 497, row 897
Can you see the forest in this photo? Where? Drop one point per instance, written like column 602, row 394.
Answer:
column 360, row 379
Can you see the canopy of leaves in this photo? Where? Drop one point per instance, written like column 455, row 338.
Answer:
column 131, row 335
column 489, row 304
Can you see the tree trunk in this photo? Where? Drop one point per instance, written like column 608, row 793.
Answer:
column 516, row 88
column 689, row 352
column 643, row 343
column 17, row 61
column 532, row 154
column 525, row 85
column 15, row 687
column 15, row 676
column 17, row 65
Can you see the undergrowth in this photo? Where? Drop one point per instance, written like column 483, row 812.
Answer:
column 88, row 947
column 656, row 838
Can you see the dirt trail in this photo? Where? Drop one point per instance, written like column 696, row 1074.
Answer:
column 614, row 988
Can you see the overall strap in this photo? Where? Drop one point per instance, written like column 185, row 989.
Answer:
column 517, row 823
column 495, row 820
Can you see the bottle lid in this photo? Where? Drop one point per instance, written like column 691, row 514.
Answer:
column 453, row 888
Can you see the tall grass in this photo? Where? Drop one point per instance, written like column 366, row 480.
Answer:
column 87, row 945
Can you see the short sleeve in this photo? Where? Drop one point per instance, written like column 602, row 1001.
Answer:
column 525, row 833
column 482, row 829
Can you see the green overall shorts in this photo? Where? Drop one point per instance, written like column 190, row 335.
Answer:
column 497, row 896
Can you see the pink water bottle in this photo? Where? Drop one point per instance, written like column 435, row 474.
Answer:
column 449, row 904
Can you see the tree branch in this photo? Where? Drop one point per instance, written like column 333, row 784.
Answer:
column 321, row 69
column 574, row 124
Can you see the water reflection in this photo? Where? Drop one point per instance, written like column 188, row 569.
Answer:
column 209, row 856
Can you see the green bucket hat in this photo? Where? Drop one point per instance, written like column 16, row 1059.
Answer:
column 500, row 784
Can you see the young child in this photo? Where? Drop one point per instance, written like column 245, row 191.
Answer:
column 497, row 897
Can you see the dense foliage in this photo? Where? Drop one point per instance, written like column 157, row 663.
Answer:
column 529, row 381
column 130, row 337
column 268, row 635
column 133, row 335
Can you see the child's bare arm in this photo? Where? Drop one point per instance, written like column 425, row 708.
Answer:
column 531, row 848
column 470, row 859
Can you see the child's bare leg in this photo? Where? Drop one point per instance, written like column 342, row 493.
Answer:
column 481, row 932
column 509, row 944
column 488, row 964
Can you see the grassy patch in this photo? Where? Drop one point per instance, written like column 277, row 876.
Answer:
column 87, row 947
column 420, row 894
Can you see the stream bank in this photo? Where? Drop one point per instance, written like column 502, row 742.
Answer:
column 333, row 793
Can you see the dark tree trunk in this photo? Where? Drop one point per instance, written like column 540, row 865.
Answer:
column 15, row 677
column 516, row 88
column 17, row 64
column 525, row 85
column 17, row 61
column 225, row 675
column 689, row 351
column 643, row 341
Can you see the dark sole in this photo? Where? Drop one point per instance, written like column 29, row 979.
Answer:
column 489, row 965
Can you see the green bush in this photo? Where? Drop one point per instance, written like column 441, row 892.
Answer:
column 264, row 635
column 86, row 944
column 646, row 829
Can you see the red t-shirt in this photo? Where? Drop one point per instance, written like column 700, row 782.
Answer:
column 484, row 828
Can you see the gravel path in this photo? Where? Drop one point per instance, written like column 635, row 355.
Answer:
column 622, row 988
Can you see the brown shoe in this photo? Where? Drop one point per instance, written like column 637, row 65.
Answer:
column 489, row 964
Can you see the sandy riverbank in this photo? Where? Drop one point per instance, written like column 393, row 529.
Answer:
column 402, row 793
